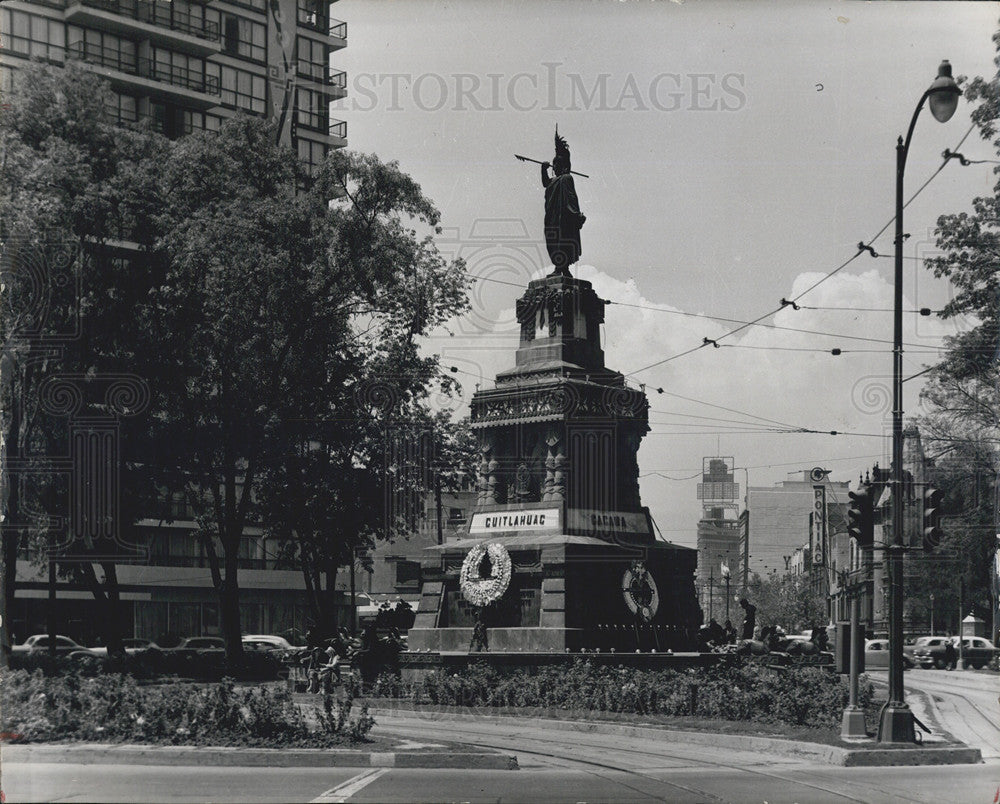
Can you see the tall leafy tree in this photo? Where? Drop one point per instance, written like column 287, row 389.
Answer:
column 285, row 330
column 793, row 602
column 962, row 426
column 68, row 184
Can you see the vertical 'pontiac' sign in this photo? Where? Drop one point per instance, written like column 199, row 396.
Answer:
column 281, row 62
column 819, row 526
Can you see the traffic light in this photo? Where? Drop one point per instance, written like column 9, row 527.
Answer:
column 931, row 527
column 861, row 517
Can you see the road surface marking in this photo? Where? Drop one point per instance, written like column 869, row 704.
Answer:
column 345, row 790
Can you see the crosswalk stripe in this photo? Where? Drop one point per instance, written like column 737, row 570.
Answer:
column 343, row 791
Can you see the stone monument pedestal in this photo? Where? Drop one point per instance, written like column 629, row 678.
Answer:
column 558, row 487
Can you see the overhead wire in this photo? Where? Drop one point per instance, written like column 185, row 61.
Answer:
column 861, row 250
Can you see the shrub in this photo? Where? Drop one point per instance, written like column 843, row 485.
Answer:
column 805, row 696
column 148, row 664
column 113, row 707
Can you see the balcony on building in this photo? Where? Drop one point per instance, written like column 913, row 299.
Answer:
column 338, row 133
column 159, row 22
column 331, row 82
column 145, row 76
column 314, row 16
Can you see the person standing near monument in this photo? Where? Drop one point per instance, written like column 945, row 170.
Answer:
column 563, row 218
column 749, row 618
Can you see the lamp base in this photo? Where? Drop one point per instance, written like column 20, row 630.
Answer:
column 896, row 725
column 853, row 724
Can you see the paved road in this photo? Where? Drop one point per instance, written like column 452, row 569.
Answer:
column 965, row 703
column 626, row 774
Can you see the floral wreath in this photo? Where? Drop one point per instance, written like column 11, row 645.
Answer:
column 639, row 591
column 480, row 590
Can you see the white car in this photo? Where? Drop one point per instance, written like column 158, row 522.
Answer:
column 132, row 646
column 266, row 642
column 39, row 643
column 978, row 652
column 877, row 655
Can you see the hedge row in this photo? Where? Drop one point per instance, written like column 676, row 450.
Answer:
column 748, row 692
column 209, row 665
column 113, row 708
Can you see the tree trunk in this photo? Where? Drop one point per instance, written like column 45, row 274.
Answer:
column 229, row 607
column 112, row 626
column 10, row 505
column 8, row 578
column 330, row 598
column 312, row 593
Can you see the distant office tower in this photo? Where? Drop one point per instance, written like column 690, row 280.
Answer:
column 719, row 538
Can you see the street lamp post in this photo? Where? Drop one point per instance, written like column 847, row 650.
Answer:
column 896, row 724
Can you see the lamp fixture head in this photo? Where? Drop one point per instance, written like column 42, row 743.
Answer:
column 943, row 94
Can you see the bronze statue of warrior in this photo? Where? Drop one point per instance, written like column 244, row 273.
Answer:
column 563, row 218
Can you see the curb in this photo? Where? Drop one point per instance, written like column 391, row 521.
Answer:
column 953, row 754
column 97, row 754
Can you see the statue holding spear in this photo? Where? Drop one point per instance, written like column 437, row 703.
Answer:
column 563, row 218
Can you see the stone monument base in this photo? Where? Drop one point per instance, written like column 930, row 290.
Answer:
column 568, row 593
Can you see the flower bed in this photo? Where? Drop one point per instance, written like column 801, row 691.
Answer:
column 749, row 693
column 114, row 708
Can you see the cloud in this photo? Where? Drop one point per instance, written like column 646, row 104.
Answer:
column 760, row 381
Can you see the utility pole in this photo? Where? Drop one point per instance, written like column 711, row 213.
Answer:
column 711, row 584
column 437, row 499
column 961, row 606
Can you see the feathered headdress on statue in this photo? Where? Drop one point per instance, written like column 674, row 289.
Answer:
column 562, row 149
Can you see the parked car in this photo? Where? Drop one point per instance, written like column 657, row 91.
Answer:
column 135, row 645
column 192, row 644
column 132, row 645
column 978, row 652
column 877, row 655
column 39, row 643
column 931, row 652
column 267, row 642
column 920, row 642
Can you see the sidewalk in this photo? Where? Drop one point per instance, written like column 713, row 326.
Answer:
column 404, row 754
column 409, row 718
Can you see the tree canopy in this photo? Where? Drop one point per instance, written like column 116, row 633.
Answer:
column 962, row 396
column 275, row 318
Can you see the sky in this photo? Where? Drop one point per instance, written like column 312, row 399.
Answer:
column 736, row 153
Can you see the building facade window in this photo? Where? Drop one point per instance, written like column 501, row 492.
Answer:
column 311, row 153
column 314, row 59
column 32, row 36
column 240, row 89
column 256, row 5
column 194, row 18
column 313, row 109
column 123, row 108
column 97, row 47
column 244, row 38
column 314, row 14
column 179, row 69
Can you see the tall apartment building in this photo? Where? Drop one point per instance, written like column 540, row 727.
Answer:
column 187, row 65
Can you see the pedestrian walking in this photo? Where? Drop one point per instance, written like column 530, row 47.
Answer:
column 950, row 656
